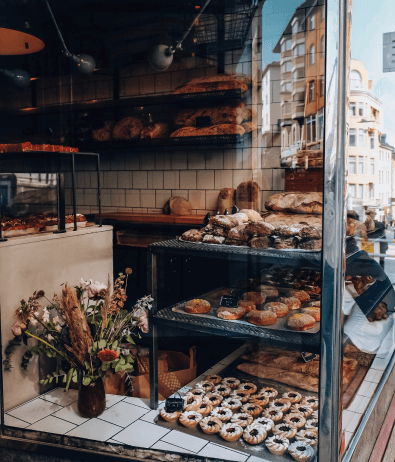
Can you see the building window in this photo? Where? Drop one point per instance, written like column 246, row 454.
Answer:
column 360, row 165
column 323, row 12
column 286, row 86
column 353, row 135
column 310, row 129
column 356, row 81
column 351, row 190
column 312, row 22
column 295, row 28
column 372, row 140
column 285, row 139
column 323, row 45
column 288, row 45
column 267, row 99
column 311, row 91
column 267, row 119
column 361, row 136
column 352, row 165
column 299, row 50
column 360, row 109
column 353, row 109
column 322, row 85
column 360, row 191
column 321, row 124
column 371, row 191
column 287, row 66
column 372, row 166
column 312, row 55
column 294, row 138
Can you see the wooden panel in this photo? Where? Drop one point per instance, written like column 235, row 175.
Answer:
column 310, row 180
column 153, row 218
column 384, row 436
column 389, row 455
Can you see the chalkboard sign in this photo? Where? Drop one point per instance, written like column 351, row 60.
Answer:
column 229, row 302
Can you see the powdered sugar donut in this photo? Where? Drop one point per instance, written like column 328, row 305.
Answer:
column 308, row 436
column 169, row 416
column 205, row 385
column 242, row 395
column 293, row 397
column 281, row 404
column 193, row 402
column 196, row 392
column 301, row 451
column 273, row 414
column 210, row 425
column 286, row 430
column 233, row 404
column 205, row 409
column 190, row 418
column 242, row 419
column 215, row 379
column 314, row 415
column 259, row 399
column 231, row 382
column 251, row 409
column 312, row 424
column 231, row 432
column 310, row 401
column 213, row 398
column 222, row 390
column 270, row 392
column 305, row 410
column 254, row 434
column 222, row 413
column 249, row 387
column 268, row 424
column 295, row 419
column 277, row 445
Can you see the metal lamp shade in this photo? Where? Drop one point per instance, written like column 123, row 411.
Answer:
column 19, row 35
column 17, row 77
column 160, row 57
column 83, row 64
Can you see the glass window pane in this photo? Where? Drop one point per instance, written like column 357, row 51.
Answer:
column 361, row 138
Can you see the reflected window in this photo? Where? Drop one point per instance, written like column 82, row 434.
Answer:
column 360, row 191
column 356, row 81
column 371, row 190
column 312, row 55
column 285, row 139
column 351, row 190
column 286, row 45
column 353, row 136
column 360, row 165
column 361, row 137
column 294, row 136
column 323, row 44
column 372, row 140
column 323, row 12
column 286, row 86
column 352, row 165
column 360, row 109
column 311, row 129
column 372, row 166
column 321, row 124
column 287, row 66
column 295, row 27
column 312, row 22
column 311, row 91
column 299, row 50
column 353, row 109
column 322, row 85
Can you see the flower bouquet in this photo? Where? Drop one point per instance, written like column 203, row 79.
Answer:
column 84, row 328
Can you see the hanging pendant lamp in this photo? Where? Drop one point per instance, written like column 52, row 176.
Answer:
column 17, row 77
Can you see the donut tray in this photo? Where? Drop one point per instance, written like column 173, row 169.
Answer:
column 258, row 450
column 214, row 297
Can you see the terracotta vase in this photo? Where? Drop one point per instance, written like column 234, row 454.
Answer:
column 92, row 399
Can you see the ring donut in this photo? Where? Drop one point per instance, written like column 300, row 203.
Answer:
column 273, row 414
column 259, row 399
column 222, row 413
column 268, row 424
column 193, row 403
column 308, row 436
column 196, row 392
column 231, row 382
column 205, row 409
column 310, row 401
column 251, row 409
column 248, row 305
column 258, row 298
column 292, row 303
column 293, row 397
column 304, row 409
column 210, row 425
column 242, row 395
column 230, row 313
column 312, row 424
column 261, row 318
column 270, row 392
column 249, row 387
column 242, row 419
column 301, row 451
column 281, row 404
column 215, row 379
column 169, row 416
column 277, row 445
column 285, row 430
column 197, row 306
column 280, row 309
column 190, row 418
column 254, row 434
column 205, row 385
column 233, row 404
column 231, row 432
column 222, row 390
column 295, row 419
column 213, row 398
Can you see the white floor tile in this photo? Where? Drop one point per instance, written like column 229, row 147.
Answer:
column 141, row 402
column 141, row 434
column 95, row 429
column 257, row 459
column 52, row 425
column 367, row 389
column 359, row 404
column 13, row 422
column 34, row 410
column 379, row 363
column 123, row 414
column 162, row 446
column 348, row 437
column 374, row 376
column 70, row 413
column 58, row 396
column 350, row 421
column 185, row 441
column 222, row 453
column 151, row 415
column 113, row 399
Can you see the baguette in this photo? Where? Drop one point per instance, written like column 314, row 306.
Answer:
column 295, row 202
column 222, row 129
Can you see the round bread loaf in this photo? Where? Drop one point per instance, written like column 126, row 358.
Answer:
column 292, row 303
column 262, row 318
column 280, row 309
column 300, row 321
column 248, row 305
column 197, row 306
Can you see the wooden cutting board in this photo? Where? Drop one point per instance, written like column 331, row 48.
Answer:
column 158, row 218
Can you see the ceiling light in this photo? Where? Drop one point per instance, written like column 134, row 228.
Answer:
column 17, row 77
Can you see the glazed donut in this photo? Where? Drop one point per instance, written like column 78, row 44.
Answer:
column 292, row 303
column 273, row 414
column 222, row 390
column 312, row 424
column 286, row 430
column 308, row 436
column 261, row 318
column 205, row 409
column 270, row 392
column 314, row 415
column 190, row 418
column 249, row 387
column 259, row 399
column 197, row 306
column 277, row 445
column 205, row 385
column 303, row 296
column 254, row 434
column 231, row 382
column 242, row 419
column 233, row 404
column 193, row 403
column 251, row 409
column 215, row 379
column 269, row 291
column 196, row 392
column 231, row 432
column 311, row 401
column 222, row 413
column 295, row 419
column 300, row 321
column 280, row 309
column 230, row 313
column 169, row 416
column 210, row 425
column 281, row 404
column 248, row 305
column 213, row 398
column 242, row 395
column 258, row 298
column 268, row 424
column 293, row 397
column 301, row 451
column 313, row 311
column 303, row 409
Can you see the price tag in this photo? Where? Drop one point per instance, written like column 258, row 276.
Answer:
column 367, row 246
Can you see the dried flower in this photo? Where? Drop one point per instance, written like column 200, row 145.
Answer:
column 18, row 328
column 143, row 322
column 38, row 294
column 128, row 271
column 118, row 297
column 45, row 315
column 107, row 356
column 95, row 290
column 58, row 328
column 49, row 337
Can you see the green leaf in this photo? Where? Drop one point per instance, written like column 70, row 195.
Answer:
column 86, row 381
column 115, row 345
column 128, row 367
column 41, row 382
column 45, row 382
column 95, row 346
column 130, row 340
column 90, row 351
column 121, row 361
column 105, row 366
column 65, row 379
column 50, row 380
column 118, row 368
column 102, row 343
column 129, row 358
column 74, row 379
column 69, row 376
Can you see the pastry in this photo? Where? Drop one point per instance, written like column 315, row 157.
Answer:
column 268, row 424
column 193, row 403
column 230, row 313
column 303, row 409
column 213, row 398
column 215, row 379
column 233, row 404
column 239, row 233
column 261, row 318
column 300, row 321
column 252, row 215
column 231, row 432
column 292, row 303
column 285, row 242
column 294, row 202
column 222, row 413
column 308, row 436
column 205, row 409
column 285, row 430
column 313, row 311
column 277, row 445
column 229, row 114
column 248, row 305
column 211, row 239
column 190, row 418
column 308, row 233
column 177, row 205
column 218, row 231
column 222, row 390
column 210, row 425
column 312, row 424
column 295, row 419
column 310, row 244
column 301, row 451
column 249, row 126
column 303, row 296
column 228, row 221
column 271, row 393
column 260, row 228
column 169, row 416
column 256, row 297
column 213, row 130
column 269, row 291
column 231, row 382
column 261, row 242
column 314, row 415
column 211, row 86
column 293, row 397
column 242, row 419
column 206, row 385
column 158, row 130
column 300, row 222
column 259, row 399
column 196, row 392
column 280, row 404
column 242, row 395
column 102, row 134
column 280, row 309
column 197, row 306
column 249, row 387
column 356, row 228
column 235, row 242
column 272, row 414
column 128, row 128
column 251, row 409
column 254, row 434
column 193, row 235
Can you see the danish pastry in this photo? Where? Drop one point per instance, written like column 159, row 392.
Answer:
column 292, row 303
column 251, row 409
column 293, row 397
column 169, row 416
column 268, row 424
column 303, row 296
column 248, row 305
column 285, row 430
column 222, row 413
column 249, row 387
column 269, row 291
column 190, row 418
column 313, row 311
column 312, row 424
column 303, row 409
column 273, row 414
column 295, row 419
column 213, row 398
column 254, row 434
column 205, row 409
column 197, row 306
column 205, row 385
column 280, row 309
column 310, row 401
column 300, row 321
column 308, row 436
column 215, row 379
column 128, row 128
column 261, row 318
column 301, row 451
column 222, row 390
column 277, row 445
column 233, row 404
column 210, row 425
column 196, row 392
column 231, row 432
column 314, row 415
column 242, row 419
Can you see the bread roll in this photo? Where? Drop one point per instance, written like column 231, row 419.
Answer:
column 128, row 128
column 296, row 202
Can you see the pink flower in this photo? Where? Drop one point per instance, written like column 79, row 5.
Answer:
column 18, row 328
column 143, row 322
column 95, row 288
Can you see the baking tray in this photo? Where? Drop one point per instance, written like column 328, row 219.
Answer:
column 281, row 323
column 258, row 450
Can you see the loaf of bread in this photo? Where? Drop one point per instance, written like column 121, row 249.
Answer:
column 248, row 195
column 102, row 134
column 226, row 200
column 222, row 129
column 295, row 202
column 355, row 228
column 218, row 231
column 364, row 359
column 158, row 130
column 177, row 205
column 239, row 233
column 310, row 244
column 229, row 114
column 261, row 242
column 227, row 221
column 214, row 83
column 369, row 223
column 193, row 235
column 285, row 242
column 128, row 128
column 249, row 126
column 303, row 222
column 260, row 228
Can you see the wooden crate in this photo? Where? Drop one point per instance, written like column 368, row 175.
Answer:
column 311, row 180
